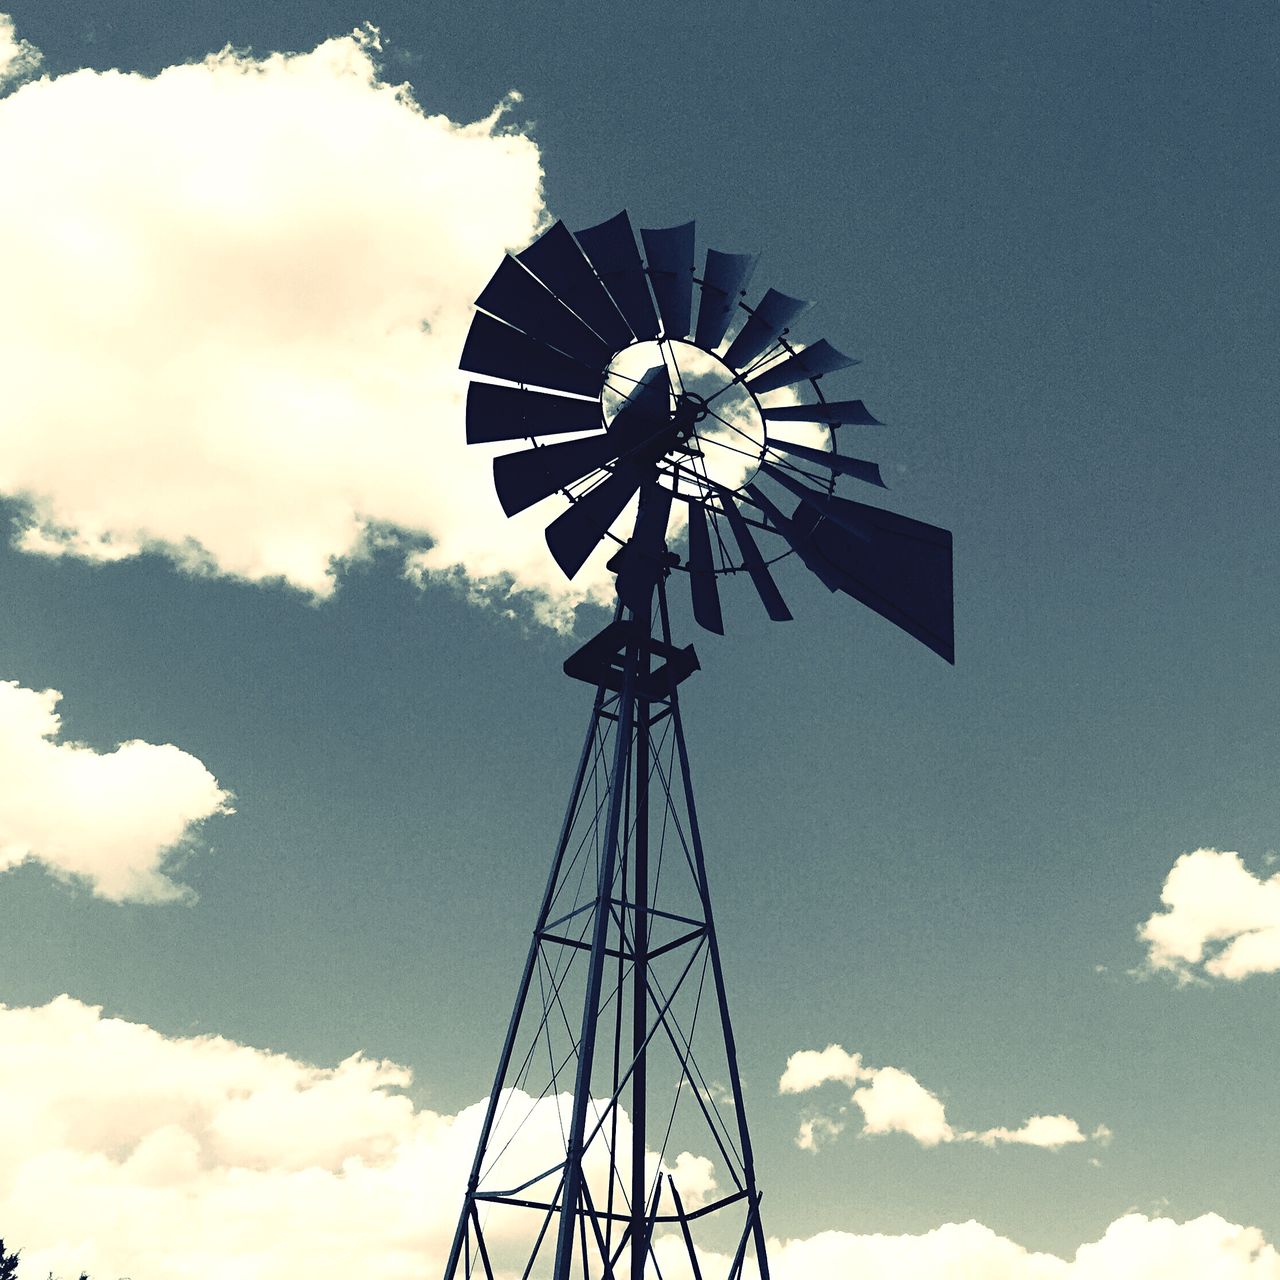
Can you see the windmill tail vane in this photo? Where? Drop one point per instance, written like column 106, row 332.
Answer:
column 614, row 1142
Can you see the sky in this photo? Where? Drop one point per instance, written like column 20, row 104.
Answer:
column 285, row 742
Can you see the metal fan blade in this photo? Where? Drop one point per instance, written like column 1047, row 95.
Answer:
column 503, row 352
column 641, row 560
column 702, row 576
column 867, row 471
column 574, row 534
column 801, row 543
column 754, row 564
column 833, row 411
column 611, row 247
column 723, row 279
column 519, row 298
column 902, row 569
column 555, row 258
column 495, row 412
column 669, row 252
column 841, row 510
column 530, row 475
column 764, row 327
column 816, row 359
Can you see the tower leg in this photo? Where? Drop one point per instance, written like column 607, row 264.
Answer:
column 569, row 1204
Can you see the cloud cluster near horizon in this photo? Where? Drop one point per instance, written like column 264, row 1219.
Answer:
column 129, row 1152
column 1220, row 920
column 894, row 1101
column 114, row 821
column 231, row 333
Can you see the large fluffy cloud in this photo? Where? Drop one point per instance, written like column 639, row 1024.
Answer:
column 235, row 297
column 129, row 1152
column 1219, row 920
column 114, row 821
column 894, row 1101
column 1133, row 1247
column 18, row 58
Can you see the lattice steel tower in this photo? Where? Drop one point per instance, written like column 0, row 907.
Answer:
column 615, row 1140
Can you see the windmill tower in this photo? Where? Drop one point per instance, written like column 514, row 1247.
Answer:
column 615, row 1139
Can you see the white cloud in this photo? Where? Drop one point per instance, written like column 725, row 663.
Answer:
column 1050, row 1132
column 1133, row 1247
column 817, row 1130
column 1219, row 920
column 18, row 58
column 112, row 820
column 235, row 297
column 809, row 1068
column 130, row 1152
column 894, row 1101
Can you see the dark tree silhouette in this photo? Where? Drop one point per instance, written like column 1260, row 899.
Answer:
column 9, row 1264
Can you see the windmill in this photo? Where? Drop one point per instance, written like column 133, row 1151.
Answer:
column 614, row 1142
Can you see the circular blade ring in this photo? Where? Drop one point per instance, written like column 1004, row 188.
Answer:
column 609, row 290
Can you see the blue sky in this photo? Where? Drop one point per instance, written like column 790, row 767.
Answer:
column 240, row 520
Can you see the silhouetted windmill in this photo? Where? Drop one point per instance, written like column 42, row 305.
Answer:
column 619, row 1049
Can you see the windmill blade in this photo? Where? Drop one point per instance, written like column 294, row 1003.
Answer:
column 764, row 327
column 641, row 559
column 495, row 412
column 868, row 471
column 754, row 564
column 800, row 543
column 574, row 534
column 724, row 279
column 902, row 569
column 529, row 475
column 702, row 575
column 503, row 352
column 611, row 247
column 669, row 251
column 519, row 298
column 555, row 258
column 816, row 359
column 831, row 412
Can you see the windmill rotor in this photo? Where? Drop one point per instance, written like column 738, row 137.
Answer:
column 619, row 367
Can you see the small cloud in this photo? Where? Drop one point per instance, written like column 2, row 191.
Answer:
column 894, row 1101
column 814, row 1132
column 810, row 1068
column 1050, row 1132
column 114, row 820
column 1219, row 921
